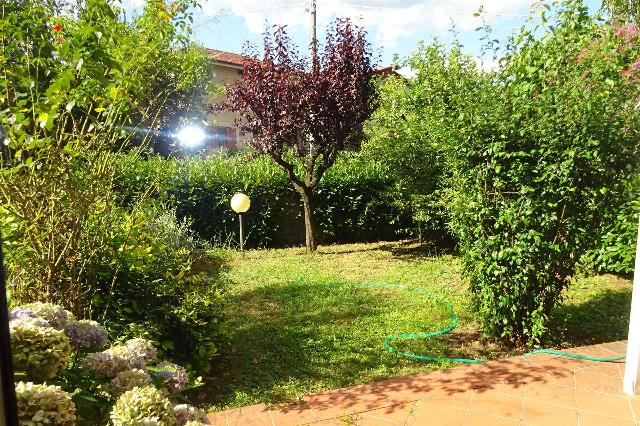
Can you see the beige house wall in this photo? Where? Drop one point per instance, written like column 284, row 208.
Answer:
column 223, row 74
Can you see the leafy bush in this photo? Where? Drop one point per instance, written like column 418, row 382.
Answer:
column 615, row 247
column 152, row 288
column 411, row 129
column 41, row 405
column 538, row 149
column 71, row 89
column 90, row 384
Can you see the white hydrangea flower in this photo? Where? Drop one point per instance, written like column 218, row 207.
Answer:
column 185, row 413
column 44, row 405
column 55, row 315
column 143, row 406
column 129, row 379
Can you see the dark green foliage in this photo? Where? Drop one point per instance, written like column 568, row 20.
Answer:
column 616, row 247
column 355, row 201
column 537, row 153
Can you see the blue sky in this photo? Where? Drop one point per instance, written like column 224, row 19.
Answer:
column 394, row 26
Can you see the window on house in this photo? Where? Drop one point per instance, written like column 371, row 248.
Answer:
column 222, row 137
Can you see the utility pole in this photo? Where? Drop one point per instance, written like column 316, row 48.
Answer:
column 314, row 38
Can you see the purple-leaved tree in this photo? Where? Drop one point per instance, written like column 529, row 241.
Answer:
column 303, row 111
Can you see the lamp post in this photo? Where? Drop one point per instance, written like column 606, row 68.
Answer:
column 240, row 204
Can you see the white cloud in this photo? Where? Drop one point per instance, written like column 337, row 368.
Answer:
column 387, row 20
column 488, row 64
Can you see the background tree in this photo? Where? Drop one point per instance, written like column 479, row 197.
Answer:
column 303, row 111
column 623, row 10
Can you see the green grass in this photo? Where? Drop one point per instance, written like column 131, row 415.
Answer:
column 289, row 337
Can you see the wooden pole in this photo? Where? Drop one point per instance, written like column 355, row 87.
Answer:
column 633, row 342
column 8, row 409
column 314, row 38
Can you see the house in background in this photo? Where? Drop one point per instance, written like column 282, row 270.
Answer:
column 223, row 131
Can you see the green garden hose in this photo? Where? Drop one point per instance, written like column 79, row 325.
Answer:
column 452, row 325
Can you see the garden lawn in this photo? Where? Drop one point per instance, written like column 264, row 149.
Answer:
column 297, row 324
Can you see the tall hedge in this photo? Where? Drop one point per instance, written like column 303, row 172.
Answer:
column 538, row 152
column 355, row 200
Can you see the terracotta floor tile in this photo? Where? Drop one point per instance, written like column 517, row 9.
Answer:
column 606, row 368
column 457, row 399
column 293, row 415
column 533, row 374
column 396, row 414
column 602, row 403
column 474, row 418
column 433, row 413
column 483, row 375
column 497, row 404
column 217, row 418
column 541, row 413
column 586, row 379
column 510, row 388
column 552, row 393
column 566, row 378
column 619, row 348
column 552, row 364
column 635, row 406
column 254, row 415
column 344, row 421
column 593, row 419
column 596, row 351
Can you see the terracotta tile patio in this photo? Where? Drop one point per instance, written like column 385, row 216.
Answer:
column 527, row 390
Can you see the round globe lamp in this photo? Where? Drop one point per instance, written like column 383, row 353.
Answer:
column 240, row 203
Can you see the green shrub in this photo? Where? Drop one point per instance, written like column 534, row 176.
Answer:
column 616, row 246
column 410, row 130
column 152, row 288
column 538, row 150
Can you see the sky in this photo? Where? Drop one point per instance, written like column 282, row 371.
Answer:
column 393, row 26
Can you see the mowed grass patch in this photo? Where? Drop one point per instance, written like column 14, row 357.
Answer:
column 300, row 323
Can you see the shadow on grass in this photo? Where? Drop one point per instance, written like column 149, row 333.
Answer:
column 406, row 249
column 281, row 337
column 602, row 318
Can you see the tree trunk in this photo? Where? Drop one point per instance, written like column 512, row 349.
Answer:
column 309, row 220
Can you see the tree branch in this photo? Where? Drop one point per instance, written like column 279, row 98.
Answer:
column 288, row 167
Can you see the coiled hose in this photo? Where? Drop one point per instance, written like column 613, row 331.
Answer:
column 452, row 325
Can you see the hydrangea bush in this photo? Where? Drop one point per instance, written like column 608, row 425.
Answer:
column 125, row 382
column 143, row 405
column 129, row 379
column 41, row 352
column 173, row 376
column 86, row 334
column 44, row 405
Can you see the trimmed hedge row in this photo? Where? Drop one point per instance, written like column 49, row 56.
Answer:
column 354, row 201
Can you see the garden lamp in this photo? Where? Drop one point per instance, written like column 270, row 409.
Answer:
column 240, row 204
column 8, row 407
